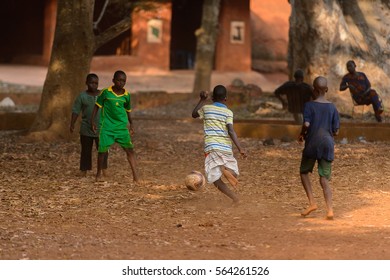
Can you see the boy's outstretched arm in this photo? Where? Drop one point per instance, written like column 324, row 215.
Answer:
column 234, row 138
column 203, row 97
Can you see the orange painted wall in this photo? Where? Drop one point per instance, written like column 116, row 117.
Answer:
column 49, row 28
column 152, row 54
column 270, row 25
column 230, row 56
column 266, row 25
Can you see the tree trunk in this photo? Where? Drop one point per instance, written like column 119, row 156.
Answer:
column 325, row 34
column 72, row 52
column 205, row 48
column 317, row 30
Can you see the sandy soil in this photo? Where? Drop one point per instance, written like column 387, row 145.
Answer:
column 48, row 212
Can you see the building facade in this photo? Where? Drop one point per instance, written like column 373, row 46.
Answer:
column 162, row 39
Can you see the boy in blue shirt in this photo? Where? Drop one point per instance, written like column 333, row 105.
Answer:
column 321, row 124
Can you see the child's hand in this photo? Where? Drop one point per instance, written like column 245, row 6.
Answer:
column 203, row 95
column 301, row 138
column 131, row 129
column 71, row 128
column 94, row 127
column 243, row 154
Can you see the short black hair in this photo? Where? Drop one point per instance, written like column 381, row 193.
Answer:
column 351, row 61
column 298, row 74
column 219, row 93
column 119, row 72
column 91, row 75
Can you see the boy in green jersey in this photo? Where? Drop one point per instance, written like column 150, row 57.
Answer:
column 115, row 115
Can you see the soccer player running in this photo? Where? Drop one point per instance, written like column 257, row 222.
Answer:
column 218, row 131
column 321, row 123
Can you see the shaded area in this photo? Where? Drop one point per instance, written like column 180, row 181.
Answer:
column 21, row 28
column 186, row 19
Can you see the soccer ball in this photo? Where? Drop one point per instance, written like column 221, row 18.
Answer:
column 195, row 181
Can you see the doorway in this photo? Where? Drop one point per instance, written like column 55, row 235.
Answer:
column 186, row 19
column 21, row 27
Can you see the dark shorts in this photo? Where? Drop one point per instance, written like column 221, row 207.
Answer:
column 324, row 167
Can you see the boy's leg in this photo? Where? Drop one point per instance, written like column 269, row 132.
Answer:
column 124, row 140
column 105, row 161
column 100, row 161
column 86, row 153
column 305, row 179
column 230, row 176
column 325, row 170
column 224, row 189
column 328, row 197
column 105, row 141
column 377, row 105
column 131, row 159
column 306, row 167
column 104, row 165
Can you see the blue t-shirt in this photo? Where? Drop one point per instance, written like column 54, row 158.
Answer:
column 324, row 122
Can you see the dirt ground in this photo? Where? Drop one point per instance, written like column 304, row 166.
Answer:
column 48, row 212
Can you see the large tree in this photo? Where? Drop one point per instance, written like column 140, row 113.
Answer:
column 207, row 36
column 325, row 34
column 77, row 37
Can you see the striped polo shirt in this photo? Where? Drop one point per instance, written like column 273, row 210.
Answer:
column 216, row 117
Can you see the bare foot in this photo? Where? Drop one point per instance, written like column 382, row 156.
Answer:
column 230, row 177
column 105, row 173
column 236, row 203
column 139, row 183
column 99, row 178
column 308, row 210
column 83, row 173
column 329, row 216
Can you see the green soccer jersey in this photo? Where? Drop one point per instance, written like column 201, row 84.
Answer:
column 114, row 110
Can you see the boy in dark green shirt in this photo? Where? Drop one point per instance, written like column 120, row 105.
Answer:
column 84, row 104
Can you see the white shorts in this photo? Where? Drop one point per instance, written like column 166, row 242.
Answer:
column 213, row 163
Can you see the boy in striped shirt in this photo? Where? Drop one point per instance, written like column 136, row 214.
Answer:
column 218, row 135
